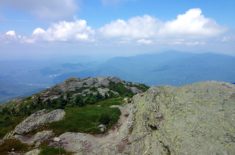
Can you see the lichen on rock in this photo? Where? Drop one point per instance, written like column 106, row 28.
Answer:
column 36, row 120
column 194, row 119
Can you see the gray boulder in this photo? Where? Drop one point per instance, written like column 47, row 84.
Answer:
column 36, row 139
column 197, row 119
column 36, row 120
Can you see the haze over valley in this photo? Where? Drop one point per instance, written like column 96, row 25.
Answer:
column 166, row 68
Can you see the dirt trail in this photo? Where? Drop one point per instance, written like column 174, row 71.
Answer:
column 122, row 124
column 114, row 140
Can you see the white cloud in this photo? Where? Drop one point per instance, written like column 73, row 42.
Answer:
column 191, row 28
column 45, row 9
column 145, row 41
column 192, row 24
column 137, row 27
column 11, row 34
column 77, row 30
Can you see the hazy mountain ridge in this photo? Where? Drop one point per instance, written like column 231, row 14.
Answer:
column 167, row 68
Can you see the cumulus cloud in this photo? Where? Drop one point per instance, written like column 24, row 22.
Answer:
column 77, row 30
column 11, row 34
column 192, row 23
column 191, row 28
column 147, row 29
column 137, row 27
column 45, row 9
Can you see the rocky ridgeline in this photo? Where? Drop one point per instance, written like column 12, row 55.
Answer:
column 195, row 119
column 103, row 86
column 74, row 92
column 89, row 90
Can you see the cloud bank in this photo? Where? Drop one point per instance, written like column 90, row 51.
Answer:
column 190, row 28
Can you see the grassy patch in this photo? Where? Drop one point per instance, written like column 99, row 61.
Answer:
column 8, row 123
column 46, row 150
column 86, row 119
column 13, row 144
column 110, row 102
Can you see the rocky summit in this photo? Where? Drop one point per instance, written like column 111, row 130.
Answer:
column 196, row 119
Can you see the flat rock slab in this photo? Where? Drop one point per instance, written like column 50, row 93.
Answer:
column 36, row 139
column 193, row 119
column 36, row 120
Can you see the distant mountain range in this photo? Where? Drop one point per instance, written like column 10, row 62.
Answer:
column 167, row 68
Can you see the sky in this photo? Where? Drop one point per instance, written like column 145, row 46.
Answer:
column 45, row 29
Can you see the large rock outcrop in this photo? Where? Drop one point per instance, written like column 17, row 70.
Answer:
column 105, row 86
column 36, row 120
column 197, row 119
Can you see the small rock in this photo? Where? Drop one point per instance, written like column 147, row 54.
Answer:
column 56, row 139
column 33, row 152
column 102, row 127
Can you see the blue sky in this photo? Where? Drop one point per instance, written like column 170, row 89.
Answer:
column 115, row 27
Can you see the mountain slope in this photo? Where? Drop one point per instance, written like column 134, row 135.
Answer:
column 72, row 95
column 192, row 119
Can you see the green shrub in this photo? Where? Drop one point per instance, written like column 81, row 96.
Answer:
column 121, row 89
column 142, row 87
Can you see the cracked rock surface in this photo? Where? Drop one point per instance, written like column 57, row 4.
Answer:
column 194, row 119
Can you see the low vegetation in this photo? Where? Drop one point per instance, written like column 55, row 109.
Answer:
column 75, row 115
column 110, row 102
column 47, row 150
column 86, row 119
column 13, row 145
column 8, row 123
column 87, row 106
